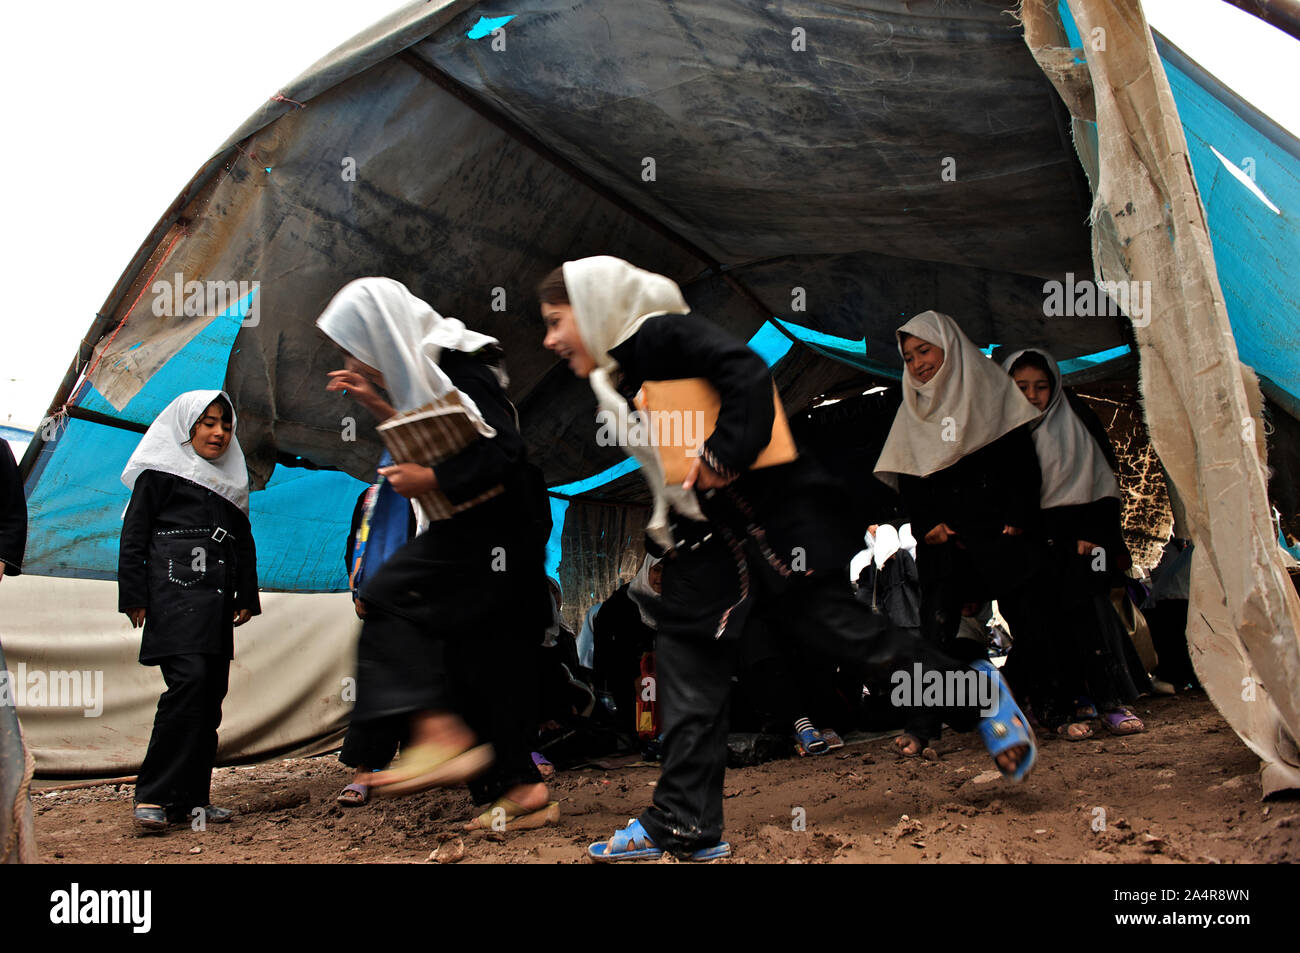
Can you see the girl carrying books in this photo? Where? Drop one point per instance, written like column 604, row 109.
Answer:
column 737, row 540
column 453, row 617
column 187, row 572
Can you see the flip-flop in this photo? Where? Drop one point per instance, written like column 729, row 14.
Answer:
column 421, row 767
column 361, row 789
column 633, row 843
column 1008, row 727
column 514, row 818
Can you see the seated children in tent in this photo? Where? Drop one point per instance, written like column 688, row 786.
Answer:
column 623, row 634
column 769, row 540
column 453, row 618
column 1080, row 523
column 187, row 572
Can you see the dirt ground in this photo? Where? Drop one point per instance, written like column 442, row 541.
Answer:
column 1187, row 791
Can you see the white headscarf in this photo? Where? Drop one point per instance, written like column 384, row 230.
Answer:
column 166, row 447
column 964, row 407
column 1074, row 468
column 906, row 541
column 380, row 323
column 642, row 594
column 611, row 299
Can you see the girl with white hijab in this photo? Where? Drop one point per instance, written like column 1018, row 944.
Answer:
column 187, row 572
column 1081, row 523
column 771, row 540
column 960, row 454
column 452, row 618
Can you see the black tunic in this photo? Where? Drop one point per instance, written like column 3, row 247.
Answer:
column 13, row 513
column 993, row 487
column 190, row 597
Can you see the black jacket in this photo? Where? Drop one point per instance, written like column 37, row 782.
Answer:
column 799, row 505
column 995, row 486
column 190, row 583
column 13, row 513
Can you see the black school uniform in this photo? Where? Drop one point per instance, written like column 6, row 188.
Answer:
column 187, row 557
column 765, row 532
column 13, row 514
column 1082, row 585
column 453, row 618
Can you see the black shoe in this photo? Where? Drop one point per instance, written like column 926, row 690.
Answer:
column 218, row 815
column 211, row 814
column 151, row 818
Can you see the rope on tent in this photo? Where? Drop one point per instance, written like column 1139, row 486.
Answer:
column 281, row 98
column 126, row 314
column 20, row 808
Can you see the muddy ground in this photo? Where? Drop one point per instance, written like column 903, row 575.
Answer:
column 1187, row 791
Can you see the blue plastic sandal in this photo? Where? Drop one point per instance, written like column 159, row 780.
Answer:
column 633, row 843
column 1007, row 727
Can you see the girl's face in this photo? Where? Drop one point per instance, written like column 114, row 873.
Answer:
column 1033, row 383
column 656, row 575
column 211, row 434
column 563, row 340
column 922, row 358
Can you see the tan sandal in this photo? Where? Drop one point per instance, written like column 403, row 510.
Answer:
column 506, row 815
column 425, row 766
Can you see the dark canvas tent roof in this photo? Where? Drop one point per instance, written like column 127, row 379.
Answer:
column 775, row 169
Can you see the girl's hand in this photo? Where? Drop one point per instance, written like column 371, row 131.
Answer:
column 242, row 616
column 136, row 616
column 1085, row 548
column 410, row 479
column 940, row 534
column 362, row 390
column 359, row 608
column 703, row 477
column 1012, row 531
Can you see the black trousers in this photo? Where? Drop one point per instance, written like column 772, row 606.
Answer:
column 694, row 685
column 177, row 769
column 373, row 743
column 453, row 619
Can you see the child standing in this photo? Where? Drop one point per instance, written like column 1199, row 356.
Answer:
column 961, row 456
column 1081, row 510
column 187, row 572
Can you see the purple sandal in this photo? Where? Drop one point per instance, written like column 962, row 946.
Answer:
column 1122, row 721
column 362, row 789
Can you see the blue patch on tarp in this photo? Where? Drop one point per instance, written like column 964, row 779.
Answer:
column 199, row 365
column 300, row 521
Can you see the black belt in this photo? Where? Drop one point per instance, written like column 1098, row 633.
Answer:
column 217, row 534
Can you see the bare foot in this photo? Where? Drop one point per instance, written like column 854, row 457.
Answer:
column 909, row 746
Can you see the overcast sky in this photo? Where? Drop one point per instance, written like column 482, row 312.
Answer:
column 110, row 108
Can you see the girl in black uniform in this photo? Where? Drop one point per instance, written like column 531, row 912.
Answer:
column 1081, row 527
column 187, row 572
column 768, row 541
column 453, row 618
